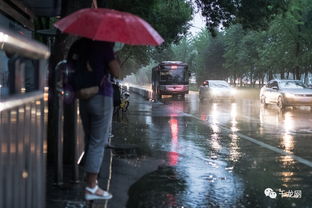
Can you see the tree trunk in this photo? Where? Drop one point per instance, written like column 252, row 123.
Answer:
column 270, row 75
column 282, row 74
column 297, row 68
column 298, row 74
column 306, row 73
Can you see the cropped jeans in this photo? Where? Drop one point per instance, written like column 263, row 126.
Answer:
column 96, row 115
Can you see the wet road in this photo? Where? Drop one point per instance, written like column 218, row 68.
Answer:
column 217, row 154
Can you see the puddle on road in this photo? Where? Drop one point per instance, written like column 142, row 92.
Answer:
column 160, row 188
column 195, row 175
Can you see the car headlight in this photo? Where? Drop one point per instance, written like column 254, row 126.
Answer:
column 289, row 95
column 233, row 91
column 214, row 91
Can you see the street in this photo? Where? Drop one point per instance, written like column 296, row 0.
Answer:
column 192, row 154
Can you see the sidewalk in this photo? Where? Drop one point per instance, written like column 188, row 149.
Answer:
column 71, row 195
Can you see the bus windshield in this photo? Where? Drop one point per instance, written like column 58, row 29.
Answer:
column 174, row 76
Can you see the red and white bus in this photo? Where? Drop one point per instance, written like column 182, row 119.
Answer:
column 170, row 78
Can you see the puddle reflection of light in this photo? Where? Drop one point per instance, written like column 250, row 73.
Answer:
column 214, row 113
column 288, row 122
column 214, row 119
column 287, row 177
column 173, row 155
column 287, row 142
column 174, row 130
column 261, row 118
column 148, row 120
column 215, row 142
column 233, row 117
column 234, row 148
column 176, row 107
column 173, row 158
column 215, row 128
column 233, row 111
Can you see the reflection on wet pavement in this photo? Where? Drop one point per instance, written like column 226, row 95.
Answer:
column 209, row 161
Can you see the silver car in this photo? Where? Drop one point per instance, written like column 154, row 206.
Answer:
column 216, row 90
column 286, row 93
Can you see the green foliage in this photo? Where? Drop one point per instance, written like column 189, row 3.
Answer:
column 200, row 43
column 170, row 19
column 183, row 51
column 284, row 47
column 213, row 60
column 142, row 76
column 232, row 39
column 261, row 37
column 254, row 14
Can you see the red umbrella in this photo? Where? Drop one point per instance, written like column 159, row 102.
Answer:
column 109, row 25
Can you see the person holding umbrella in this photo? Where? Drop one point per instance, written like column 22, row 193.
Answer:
column 98, row 26
column 95, row 112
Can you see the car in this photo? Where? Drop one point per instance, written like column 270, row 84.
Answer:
column 285, row 93
column 216, row 90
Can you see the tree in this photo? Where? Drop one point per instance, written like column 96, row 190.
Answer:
column 169, row 18
column 233, row 38
column 209, row 57
column 251, row 15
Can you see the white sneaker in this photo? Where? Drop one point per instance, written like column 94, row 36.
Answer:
column 91, row 194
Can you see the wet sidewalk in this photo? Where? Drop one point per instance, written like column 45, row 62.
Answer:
column 71, row 194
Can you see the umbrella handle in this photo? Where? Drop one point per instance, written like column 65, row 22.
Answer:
column 94, row 4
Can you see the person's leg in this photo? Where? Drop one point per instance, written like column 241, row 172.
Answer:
column 91, row 179
column 100, row 109
column 85, row 120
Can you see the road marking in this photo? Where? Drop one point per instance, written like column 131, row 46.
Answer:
column 262, row 144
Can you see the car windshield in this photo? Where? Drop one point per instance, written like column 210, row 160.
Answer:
column 219, row 84
column 292, row 85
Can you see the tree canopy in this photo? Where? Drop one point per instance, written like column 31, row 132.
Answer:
column 170, row 18
column 254, row 14
column 281, row 49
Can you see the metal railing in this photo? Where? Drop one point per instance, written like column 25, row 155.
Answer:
column 23, row 132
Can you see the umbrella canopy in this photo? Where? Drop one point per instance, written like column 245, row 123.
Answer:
column 109, row 25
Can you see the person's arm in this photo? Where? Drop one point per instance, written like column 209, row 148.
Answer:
column 114, row 68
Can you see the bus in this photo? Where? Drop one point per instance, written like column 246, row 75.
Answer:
column 170, row 78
